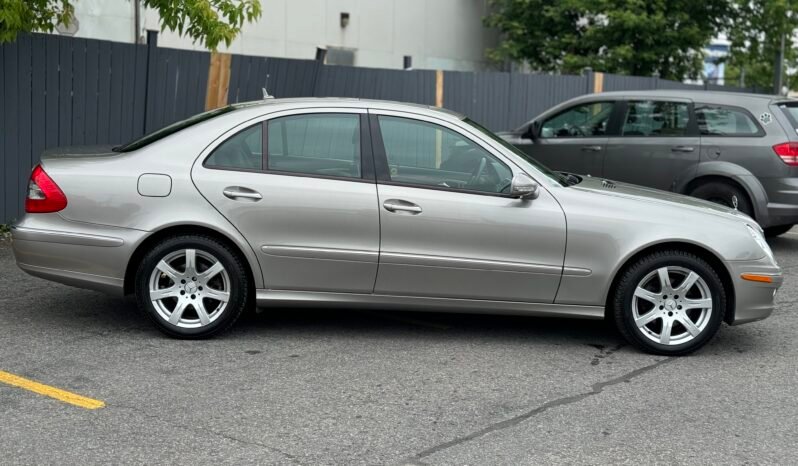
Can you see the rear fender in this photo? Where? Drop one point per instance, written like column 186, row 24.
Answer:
column 737, row 174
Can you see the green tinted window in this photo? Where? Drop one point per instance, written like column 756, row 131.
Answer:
column 317, row 144
column 581, row 121
column 652, row 118
column 421, row 153
column 244, row 151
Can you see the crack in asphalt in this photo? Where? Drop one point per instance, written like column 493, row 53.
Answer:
column 597, row 388
column 293, row 459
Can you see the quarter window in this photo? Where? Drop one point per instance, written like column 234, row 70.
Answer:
column 421, row 153
column 243, row 151
column 319, row 144
column 652, row 118
column 715, row 120
column 581, row 121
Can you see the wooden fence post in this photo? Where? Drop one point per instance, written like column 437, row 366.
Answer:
column 218, row 81
column 439, row 88
column 598, row 82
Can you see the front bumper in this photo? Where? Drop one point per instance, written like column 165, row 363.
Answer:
column 77, row 254
column 753, row 300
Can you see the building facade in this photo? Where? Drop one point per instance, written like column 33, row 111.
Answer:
column 435, row 34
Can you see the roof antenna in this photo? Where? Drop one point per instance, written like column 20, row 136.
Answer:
column 266, row 95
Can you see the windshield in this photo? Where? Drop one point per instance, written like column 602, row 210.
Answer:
column 171, row 129
column 553, row 176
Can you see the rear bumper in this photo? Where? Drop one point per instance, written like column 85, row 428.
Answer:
column 76, row 254
column 782, row 200
column 754, row 300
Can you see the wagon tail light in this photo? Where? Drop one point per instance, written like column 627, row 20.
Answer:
column 788, row 152
column 44, row 195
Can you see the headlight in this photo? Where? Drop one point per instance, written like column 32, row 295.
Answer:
column 759, row 237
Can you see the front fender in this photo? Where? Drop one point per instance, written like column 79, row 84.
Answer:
column 736, row 173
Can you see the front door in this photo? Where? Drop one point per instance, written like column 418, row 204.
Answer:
column 658, row 144
column 573, row 140
column 309, row 206
column 448, row 227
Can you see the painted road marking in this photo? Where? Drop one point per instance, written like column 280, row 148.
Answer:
column 52, row 392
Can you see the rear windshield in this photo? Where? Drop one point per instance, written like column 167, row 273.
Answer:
column 173, row 128
column 790, row 109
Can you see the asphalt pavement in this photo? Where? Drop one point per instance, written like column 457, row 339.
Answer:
column 290, row 386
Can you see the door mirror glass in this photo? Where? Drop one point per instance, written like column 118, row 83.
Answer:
column 524, row 187
column 531, row 131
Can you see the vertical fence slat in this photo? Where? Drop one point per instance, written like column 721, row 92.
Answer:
column 38, row 96
column 64, row 91
column 79, row 96
column 24, row 81
column 3, row 216
column 92, row 73
column 115, row 101
column 104, row 93
column 10, row 176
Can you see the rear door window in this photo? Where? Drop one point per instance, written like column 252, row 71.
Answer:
column 656, row 119
column 326, row 144
column 720, row 120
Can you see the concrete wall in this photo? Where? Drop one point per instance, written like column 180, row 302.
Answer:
column 438, row 34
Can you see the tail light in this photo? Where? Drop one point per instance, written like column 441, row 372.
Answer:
column 788, row 152
column 43, row 194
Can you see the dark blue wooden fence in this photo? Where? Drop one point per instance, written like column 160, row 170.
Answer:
column 61, row 91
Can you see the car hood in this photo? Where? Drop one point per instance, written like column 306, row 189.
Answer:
column 656, row 196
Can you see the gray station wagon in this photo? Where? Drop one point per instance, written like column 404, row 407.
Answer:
column 740, row 150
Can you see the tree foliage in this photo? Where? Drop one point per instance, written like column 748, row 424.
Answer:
column 211, row 22
column 636, row 37
column 32, row 15
column 755, row 36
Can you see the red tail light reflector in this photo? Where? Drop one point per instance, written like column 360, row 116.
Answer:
column 44, row 195
column 788, row 152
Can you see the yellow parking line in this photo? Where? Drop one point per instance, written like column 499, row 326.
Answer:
column 52, row 392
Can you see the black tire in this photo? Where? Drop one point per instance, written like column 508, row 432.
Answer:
column 724, row 193
column 771, row 232
column 635, row 273
column 238, row 284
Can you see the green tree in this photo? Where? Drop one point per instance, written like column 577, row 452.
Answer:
column 755, row 36
column 211, row 22
column 635, row 37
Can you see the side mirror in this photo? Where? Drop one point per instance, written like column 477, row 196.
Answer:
column 531, row 131
column 524, row 187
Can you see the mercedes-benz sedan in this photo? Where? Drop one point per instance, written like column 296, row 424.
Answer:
column 384, row 205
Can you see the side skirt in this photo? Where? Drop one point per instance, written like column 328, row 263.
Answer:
column 270, row 298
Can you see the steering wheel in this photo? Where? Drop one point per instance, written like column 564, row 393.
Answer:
column 483, row 162
column 576, row 130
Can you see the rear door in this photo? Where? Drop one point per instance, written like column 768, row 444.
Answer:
column 573, row 140
column 657, row 143
column 307, row 204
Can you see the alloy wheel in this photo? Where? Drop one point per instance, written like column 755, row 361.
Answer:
column 189, row 288
column 672, row 305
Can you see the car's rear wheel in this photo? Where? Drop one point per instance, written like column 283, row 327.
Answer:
column 770, row 232
column 725, row 194
column 192, row 286
column 669, row 302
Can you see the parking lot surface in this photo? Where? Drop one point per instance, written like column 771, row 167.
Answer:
column 290, row 386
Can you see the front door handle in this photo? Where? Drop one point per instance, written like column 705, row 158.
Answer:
column 237, row 192
column 396, row 205
column 591, row 148
column 682, row 149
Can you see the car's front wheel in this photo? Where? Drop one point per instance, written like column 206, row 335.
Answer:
column 192, row 286
column 669, row 302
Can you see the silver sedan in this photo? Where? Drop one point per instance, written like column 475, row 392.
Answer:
column 382, row 205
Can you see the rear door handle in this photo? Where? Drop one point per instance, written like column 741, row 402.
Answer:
column 682, row 149
column 591, row 148
column 238, row 192
column 397, row 205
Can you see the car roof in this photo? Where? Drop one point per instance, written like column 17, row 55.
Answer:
column 707, row 96
column 310, row 102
